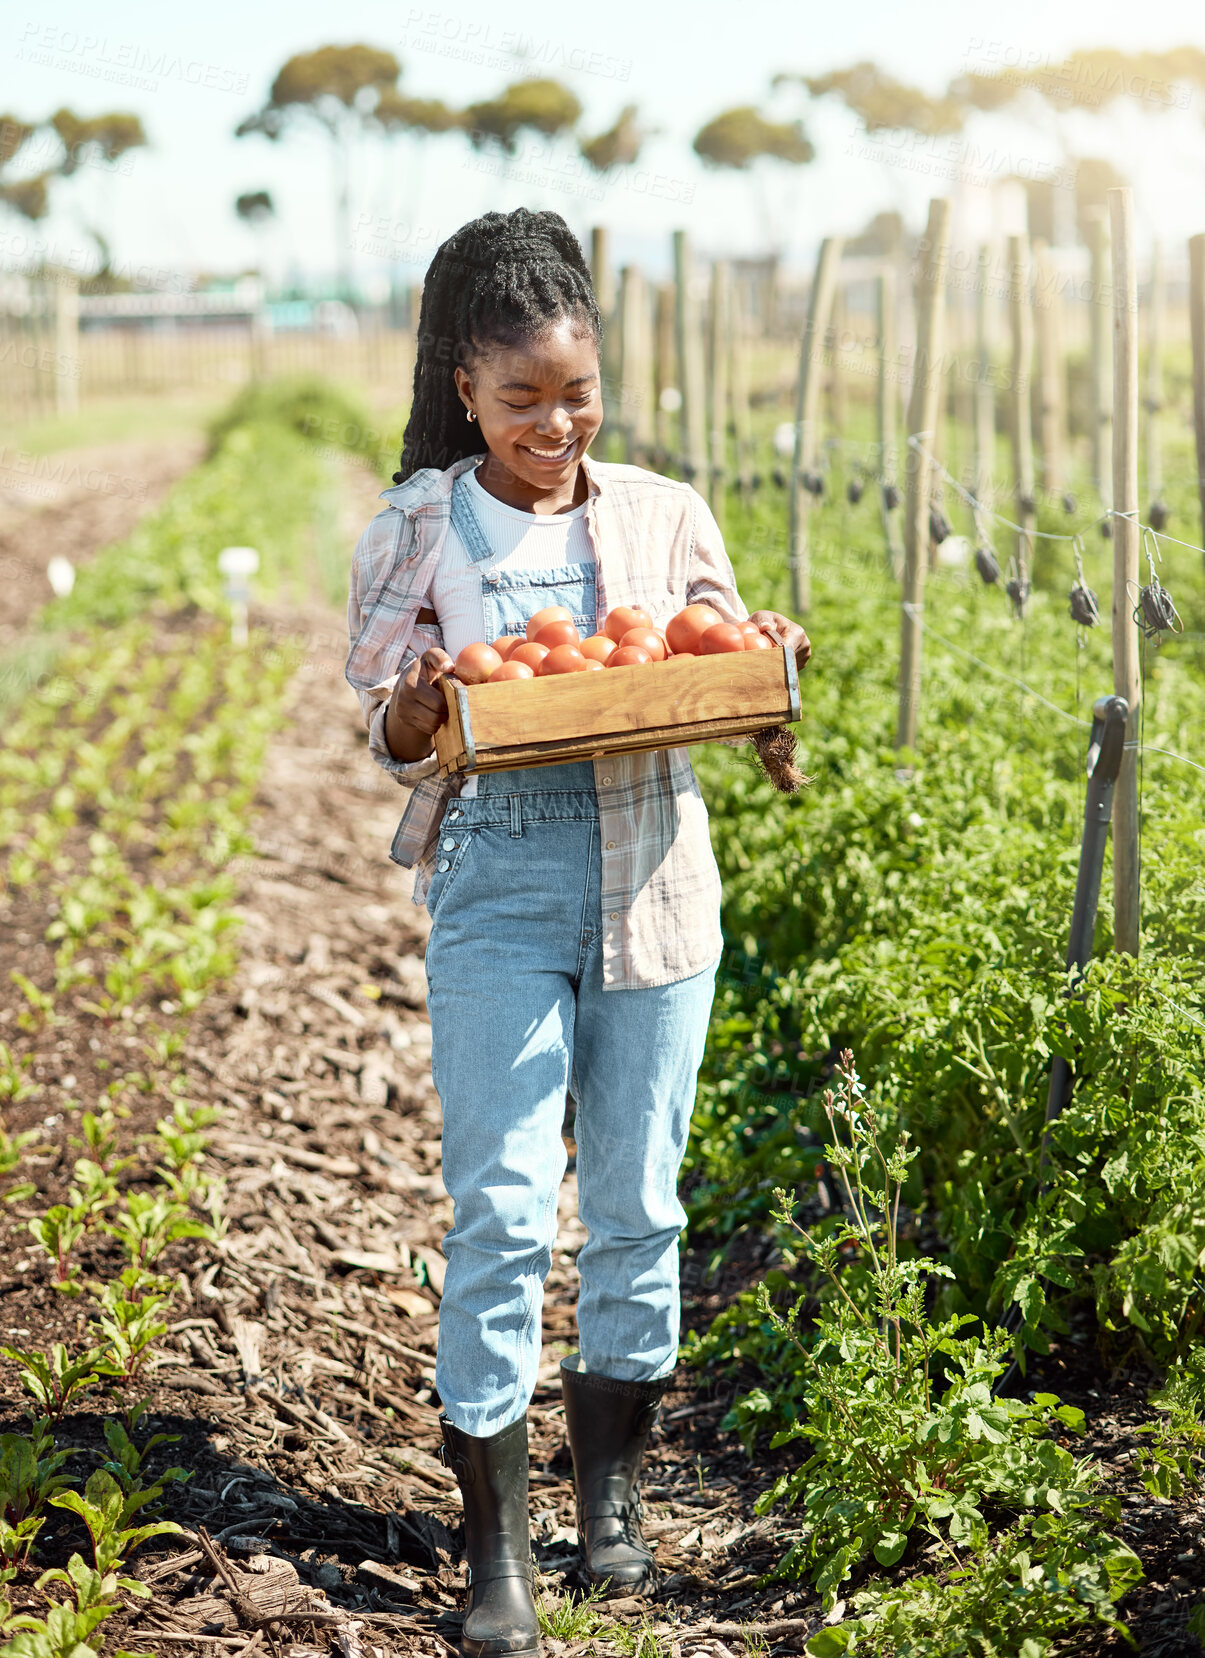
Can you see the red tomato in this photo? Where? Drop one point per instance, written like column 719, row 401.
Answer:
column 506, row 644
column 749, row 629
column 592, row 662
column 597, row 647
column 476, row 663
column 623, row 619
column 759, row 641
column 550, row 613
column 629, row 656
column 529, row 653
column 563, row 659
column 646, row 639
column 512, row 670
column 688, row 627
column 724, row 636
column 553, row 634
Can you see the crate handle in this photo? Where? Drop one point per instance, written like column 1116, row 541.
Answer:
column 793, row 696
column 466, row 724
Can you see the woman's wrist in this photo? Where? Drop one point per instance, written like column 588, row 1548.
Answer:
column 402, row 740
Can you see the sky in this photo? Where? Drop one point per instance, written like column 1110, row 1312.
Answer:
column 192, row 72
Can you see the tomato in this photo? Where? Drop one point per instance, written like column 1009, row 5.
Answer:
column 689, row 626
column 506, row 644
column 529, row 653
column 550, row 613
column 646, row 639
column 749, row 629
column 592, row 663
column 512, row 670
column 562, row 659
column 724, row 636
column 759, row 641
column 597, row 647
column 623, row 619
column 553, row 634
column 629, row 656
column 476, row 663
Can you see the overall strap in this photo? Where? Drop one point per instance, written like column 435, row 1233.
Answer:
column 466, row 522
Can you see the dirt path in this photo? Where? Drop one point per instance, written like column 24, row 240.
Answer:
column 71, row 503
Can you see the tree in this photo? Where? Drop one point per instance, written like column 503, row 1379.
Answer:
column 254, row 208
column 882, row 103
column 76, row 142
column 337, row 89
column 542, row 106
column 619, row 146
column 738, row 137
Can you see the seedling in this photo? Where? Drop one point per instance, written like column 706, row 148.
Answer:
column 14, row 1084
column 130, row 1319
column 152, row 1221
column 55, row 1379
column 58, row 1231
column 107, row 1510
column 29, row 1478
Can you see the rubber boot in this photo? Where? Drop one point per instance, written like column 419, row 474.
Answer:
column 500, row 1615
column 609, row 1423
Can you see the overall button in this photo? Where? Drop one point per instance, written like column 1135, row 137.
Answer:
column 449, row 845
column 610, row 846
column 455, row 812
column 606, row 779
column 443, row 866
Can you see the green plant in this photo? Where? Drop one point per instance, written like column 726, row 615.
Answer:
column 126, row 1460
column 94, row 1189
column 107, row 1510
column 55, row 1379
column 65, row 1631
column 14, row 1084
column 900, row 1417
column 58, row 1231
column 571, row 1618
column 99, row 1139
column 130, row 1319
column 1176, row 1459
column 150, row 1222
column 1039, row 1582
column 29, row 1477
column 41, row 1003
column 644, row 1642
column 12, row 1149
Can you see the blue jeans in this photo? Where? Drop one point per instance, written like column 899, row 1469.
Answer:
column 519, row 1017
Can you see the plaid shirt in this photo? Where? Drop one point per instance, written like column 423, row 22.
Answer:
column 657, row 548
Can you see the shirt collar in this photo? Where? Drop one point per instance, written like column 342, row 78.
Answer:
column 428, row 486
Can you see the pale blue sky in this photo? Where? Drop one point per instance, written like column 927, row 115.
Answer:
column 203, row 67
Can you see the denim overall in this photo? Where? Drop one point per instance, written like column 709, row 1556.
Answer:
column 519, row 1018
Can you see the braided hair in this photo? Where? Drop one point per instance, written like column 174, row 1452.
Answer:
column 503, row 279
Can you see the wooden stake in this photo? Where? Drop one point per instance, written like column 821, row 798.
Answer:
column 634, row 378
column 1099, row 299
column 719, row 334
column 922, row 418
column 665, row 375
column 837, row 329
column 689, row 341
column 1153, row 402
column 985, row 390
column 1020, row 319
column 738, row 380
column 1048, row 318
column 66, row 343
column 603, row 279
column 1196, row 312
column 1126, row 904
column 886, row 404
column 811, row 369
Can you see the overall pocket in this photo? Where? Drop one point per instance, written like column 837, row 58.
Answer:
column 512, row 597
column 453, row 842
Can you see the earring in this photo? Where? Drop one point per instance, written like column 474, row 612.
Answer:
column 470, row 415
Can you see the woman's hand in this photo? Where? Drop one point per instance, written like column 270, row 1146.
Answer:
column 417, row 707
column 785, row 632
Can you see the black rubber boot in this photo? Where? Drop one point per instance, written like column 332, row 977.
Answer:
column 500, row 1614
column 609, row 1423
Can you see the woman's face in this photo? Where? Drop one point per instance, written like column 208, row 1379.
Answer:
column 539, row 404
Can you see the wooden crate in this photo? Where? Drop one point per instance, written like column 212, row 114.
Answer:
column 543, row 722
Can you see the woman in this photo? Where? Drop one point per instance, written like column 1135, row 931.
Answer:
column 575, row 908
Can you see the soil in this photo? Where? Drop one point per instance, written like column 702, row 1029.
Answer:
column 298, row 1369
column 70, row 504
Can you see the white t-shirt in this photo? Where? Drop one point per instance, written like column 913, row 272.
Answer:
column 520, row 541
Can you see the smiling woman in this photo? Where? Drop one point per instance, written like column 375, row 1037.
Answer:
column 574, row 908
